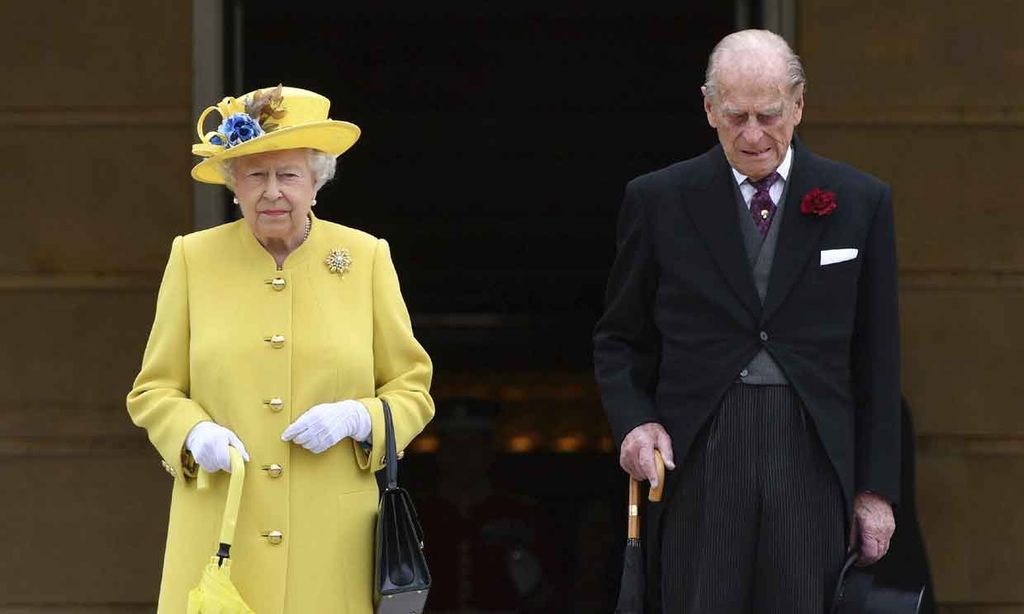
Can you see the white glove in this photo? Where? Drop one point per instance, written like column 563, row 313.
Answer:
column 208, row 442
column 326, row 424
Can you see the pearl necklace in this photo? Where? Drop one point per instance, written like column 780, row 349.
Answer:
column 305, row 235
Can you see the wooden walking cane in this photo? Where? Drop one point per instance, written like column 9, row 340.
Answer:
column 631, row 590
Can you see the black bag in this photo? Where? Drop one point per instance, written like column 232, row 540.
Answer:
column 401, row 577
column 859, row 592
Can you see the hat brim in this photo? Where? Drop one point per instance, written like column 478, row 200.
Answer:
column 330, row 136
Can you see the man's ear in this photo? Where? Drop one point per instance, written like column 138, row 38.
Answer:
column 709, row 108
column 798, row 106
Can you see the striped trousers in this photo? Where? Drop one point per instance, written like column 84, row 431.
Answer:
column 756, row 521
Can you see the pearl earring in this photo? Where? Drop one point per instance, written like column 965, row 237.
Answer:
column 314, row 203
column 235, row 199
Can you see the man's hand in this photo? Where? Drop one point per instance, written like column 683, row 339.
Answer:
column 636, row 455
column 874, row 524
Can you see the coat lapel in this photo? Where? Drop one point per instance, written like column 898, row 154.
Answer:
column 714, row 214
column 799, row 235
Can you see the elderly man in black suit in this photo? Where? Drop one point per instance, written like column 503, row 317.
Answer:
column 751, row 334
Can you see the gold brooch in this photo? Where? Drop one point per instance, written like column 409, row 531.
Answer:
column 338, row 261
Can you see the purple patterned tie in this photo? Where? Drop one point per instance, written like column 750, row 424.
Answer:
column 762, row 208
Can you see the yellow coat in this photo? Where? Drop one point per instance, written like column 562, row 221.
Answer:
column 345, row 337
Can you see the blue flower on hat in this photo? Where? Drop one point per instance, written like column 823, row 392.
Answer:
column 237, row 128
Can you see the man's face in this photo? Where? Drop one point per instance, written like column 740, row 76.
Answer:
column 755, row 118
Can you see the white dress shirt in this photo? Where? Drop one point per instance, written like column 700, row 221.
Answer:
column 776, row 190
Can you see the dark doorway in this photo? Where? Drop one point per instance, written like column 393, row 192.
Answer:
column 496, row 144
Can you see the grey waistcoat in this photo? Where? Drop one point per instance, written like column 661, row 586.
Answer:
column 762, row 370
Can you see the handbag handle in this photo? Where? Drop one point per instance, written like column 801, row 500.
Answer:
column 390, row 448
column 391, row 467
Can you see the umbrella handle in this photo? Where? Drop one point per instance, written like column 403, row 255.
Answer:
column 230, row 519
column 634, row 496
column 657, row 491
column 203, row 476
column 633, row 514
column 227, row 527
column 202, row 480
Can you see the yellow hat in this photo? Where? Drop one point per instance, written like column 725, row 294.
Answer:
column 269, row 119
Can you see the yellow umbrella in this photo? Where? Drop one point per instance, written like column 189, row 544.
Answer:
column 215, row 593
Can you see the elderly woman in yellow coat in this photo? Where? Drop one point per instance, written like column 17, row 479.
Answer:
column 280, row 335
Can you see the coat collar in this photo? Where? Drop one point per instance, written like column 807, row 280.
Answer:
column 715, row 215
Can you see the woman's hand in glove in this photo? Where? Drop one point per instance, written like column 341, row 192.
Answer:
column 326, row 424
column 208, row 442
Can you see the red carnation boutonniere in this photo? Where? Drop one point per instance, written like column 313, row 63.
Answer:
column 818, row 202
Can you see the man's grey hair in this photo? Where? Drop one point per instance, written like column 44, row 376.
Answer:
column 747, row 45
column 322, row 165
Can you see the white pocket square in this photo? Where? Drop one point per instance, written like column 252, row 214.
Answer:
column 832, row 256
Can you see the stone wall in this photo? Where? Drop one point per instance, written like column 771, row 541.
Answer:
column 927, row 96
column 95, row 159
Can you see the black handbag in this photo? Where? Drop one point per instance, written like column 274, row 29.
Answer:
column 860, row 592
column 401, row 578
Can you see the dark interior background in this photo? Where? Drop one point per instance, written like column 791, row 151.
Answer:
column 496, row 144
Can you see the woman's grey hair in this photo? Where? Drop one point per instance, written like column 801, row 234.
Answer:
column 322, row 165
column 748, row 44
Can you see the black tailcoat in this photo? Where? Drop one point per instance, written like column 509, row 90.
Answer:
column 683, row 316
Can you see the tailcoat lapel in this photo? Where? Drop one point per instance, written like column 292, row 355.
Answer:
column 799, row 235
column 713, row 211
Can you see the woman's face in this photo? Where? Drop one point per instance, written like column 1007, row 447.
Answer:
column 275, row 191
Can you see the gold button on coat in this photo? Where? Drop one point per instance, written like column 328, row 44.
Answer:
column 275, row 404
column 274, row 537
column 278, row 283
column 277, row 341
column 274, row 470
